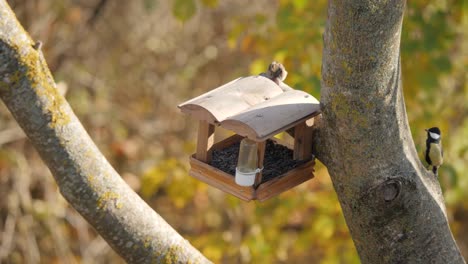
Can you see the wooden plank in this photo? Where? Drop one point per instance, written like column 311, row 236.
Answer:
column 309, row 122
column 302, row 141
column 231, row 98
column 289, row 145
column 253, row 106
column 285, row 182
column 226, row 183
column 270, row 117
column 205, row 141
column 261, row 156
column 219, row 179
column 227, row 142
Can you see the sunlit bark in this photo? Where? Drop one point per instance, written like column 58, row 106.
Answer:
column 393, row 206
column 85, row 178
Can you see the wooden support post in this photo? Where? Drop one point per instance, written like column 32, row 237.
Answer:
column 204, row 141
column 261, row 156
column 302, row 141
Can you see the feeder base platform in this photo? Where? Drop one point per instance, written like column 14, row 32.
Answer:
column 269, row 187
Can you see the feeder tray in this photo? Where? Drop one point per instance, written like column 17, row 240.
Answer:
column 257, row 108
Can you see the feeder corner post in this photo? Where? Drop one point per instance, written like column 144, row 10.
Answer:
column 205, row 141
column 302, row 141
column 261, row 157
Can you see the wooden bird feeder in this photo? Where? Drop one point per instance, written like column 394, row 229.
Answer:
column 256, row 108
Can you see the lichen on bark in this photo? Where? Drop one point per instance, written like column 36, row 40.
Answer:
column 83, row 175
column 392, row 205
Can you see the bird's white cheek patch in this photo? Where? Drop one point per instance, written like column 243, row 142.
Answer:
column 434, row 135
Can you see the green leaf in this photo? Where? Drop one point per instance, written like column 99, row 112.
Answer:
column 285, row 19
column 260, row 19
column 450, row 176
column 152, row 181
column 428, row 79
column 210, row 3
column 299, row 4
column 150, row 5
column 258, row 66
column 184, row 9
column 442, row 63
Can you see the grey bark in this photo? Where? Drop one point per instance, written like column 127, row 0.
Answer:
column 393, row 206
column 85, row 178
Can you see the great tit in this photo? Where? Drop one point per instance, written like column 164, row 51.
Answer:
column 434, row 151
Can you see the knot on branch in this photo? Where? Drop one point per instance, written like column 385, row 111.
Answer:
column 388, row 200
column 390, row 190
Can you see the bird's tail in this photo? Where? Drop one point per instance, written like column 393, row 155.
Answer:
column 434, row 170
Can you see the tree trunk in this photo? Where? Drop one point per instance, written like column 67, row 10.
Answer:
column 85, row 178
column 392, row 205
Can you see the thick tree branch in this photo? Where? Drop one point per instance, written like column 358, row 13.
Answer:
column 393, row 206
column 85, row 178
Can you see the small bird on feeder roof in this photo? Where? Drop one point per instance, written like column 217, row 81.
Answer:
column 277, row 73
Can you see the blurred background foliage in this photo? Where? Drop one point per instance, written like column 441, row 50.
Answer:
column 125, row 65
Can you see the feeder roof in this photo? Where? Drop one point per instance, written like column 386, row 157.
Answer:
column 254, row 107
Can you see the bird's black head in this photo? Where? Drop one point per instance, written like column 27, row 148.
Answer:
column 434, row 130
column 433, row 134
